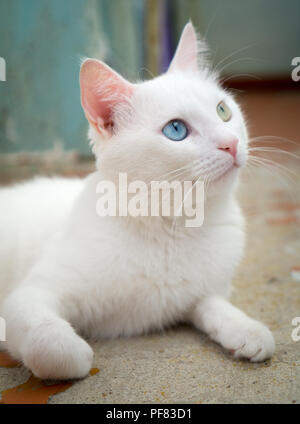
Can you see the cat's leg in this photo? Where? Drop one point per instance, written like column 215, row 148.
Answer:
column 39, row 336
column 233, row 329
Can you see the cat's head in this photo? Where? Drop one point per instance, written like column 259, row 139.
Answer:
column 179, row 126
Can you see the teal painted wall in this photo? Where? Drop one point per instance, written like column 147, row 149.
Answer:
column 42, row 42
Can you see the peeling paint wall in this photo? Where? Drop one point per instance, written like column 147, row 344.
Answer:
column 42, row 43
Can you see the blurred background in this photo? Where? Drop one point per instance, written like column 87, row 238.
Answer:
column 42, row 126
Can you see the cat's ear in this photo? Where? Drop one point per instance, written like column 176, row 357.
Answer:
column 186, row 55
column 101, row 90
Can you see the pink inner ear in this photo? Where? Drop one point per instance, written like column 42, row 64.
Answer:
column 187, row 51
column 101, row 90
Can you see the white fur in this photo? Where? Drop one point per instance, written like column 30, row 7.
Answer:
column 66, row 272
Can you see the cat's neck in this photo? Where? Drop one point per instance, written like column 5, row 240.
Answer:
column 217, row 208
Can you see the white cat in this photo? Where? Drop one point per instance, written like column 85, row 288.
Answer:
column 67, row 273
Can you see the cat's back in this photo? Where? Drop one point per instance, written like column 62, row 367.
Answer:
column 30, row 213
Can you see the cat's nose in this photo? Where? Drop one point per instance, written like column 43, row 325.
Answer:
column 230, row 146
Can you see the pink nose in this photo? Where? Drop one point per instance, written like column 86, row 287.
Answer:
column 229, row 146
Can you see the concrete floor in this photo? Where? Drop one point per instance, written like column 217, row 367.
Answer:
column 182, row 365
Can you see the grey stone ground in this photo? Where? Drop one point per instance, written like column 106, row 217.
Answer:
column 182, row 365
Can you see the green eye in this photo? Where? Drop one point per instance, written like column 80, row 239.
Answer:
column 223, row 111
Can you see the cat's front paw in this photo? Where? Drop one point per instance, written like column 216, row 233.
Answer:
column 57, row 352
column 252, row 340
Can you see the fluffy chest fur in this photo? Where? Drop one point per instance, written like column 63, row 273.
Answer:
column 120, row 276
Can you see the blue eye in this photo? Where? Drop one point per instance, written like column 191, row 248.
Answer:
column 175, row 130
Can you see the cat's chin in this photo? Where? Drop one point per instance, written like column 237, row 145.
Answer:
column 225, row 182
column 230, row 173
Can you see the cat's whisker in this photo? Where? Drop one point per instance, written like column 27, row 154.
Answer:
column 273, row 150
column 174, row 221
column 259, row 159
column 264, row 160
column 238, row 76
column 235, row 61
column 271, row 138
column 249, row 170
column 270, row 169
column 234, row 53
column 148, row 71
column 183, row 169
column 175, row 178
column 284, row 180
column 281, row 175
column 230, row 89
column 211, row 22
column 276, row 172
